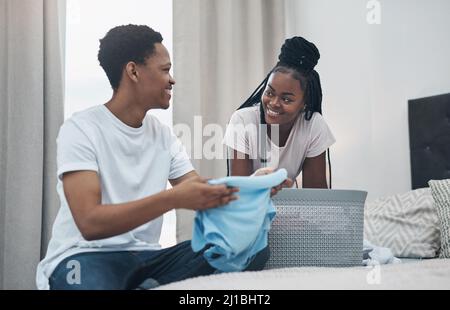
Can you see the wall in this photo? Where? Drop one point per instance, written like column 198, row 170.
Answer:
column 368, row 72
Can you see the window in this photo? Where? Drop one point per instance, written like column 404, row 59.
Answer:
column 86, row 83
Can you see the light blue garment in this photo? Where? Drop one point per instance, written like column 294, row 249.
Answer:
column 376, row 255
column 238, row 230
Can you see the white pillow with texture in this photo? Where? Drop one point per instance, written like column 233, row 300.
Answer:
column 406, row 223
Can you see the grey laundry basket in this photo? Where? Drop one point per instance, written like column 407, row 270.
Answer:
column 317, row 227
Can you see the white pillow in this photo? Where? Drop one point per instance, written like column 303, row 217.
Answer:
column 406, row 223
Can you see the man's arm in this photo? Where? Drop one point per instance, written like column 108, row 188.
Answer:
column 187, row 176
column 96, row 221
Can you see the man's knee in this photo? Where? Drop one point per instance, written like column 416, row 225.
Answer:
column 87, row 281
column 88, row 271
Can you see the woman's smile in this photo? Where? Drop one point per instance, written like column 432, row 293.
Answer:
column 272, row 113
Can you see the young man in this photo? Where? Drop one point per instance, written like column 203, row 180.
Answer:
column 113, row 165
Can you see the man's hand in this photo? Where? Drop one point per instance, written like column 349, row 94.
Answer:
column 267, row 170
column 196, row 194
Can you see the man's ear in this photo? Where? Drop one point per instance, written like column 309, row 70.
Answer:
column 131, row 71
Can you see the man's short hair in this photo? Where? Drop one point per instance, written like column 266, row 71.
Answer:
column 123, row 44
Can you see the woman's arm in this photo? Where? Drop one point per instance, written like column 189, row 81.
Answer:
column 240, row 164
column 314, row 172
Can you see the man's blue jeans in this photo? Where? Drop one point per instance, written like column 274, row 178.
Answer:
column 136, row 269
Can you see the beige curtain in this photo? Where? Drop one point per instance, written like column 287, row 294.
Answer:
column 222, row 51
column 31, row 111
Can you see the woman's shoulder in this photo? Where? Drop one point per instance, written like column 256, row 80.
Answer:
column 317, row 120
column 314, row 125
column 317, row 125
column 246, row 115
column 317, row 117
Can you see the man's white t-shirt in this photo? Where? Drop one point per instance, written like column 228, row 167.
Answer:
column 306, row 139
column 132, row 163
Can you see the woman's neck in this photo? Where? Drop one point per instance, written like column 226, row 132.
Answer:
column 283, row 130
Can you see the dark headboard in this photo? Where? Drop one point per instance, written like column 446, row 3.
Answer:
column 429, row 138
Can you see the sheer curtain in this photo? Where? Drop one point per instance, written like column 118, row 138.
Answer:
column 222, row 51
column 31, row 111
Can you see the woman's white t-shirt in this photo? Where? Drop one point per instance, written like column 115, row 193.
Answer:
column 132, row 163
column 306, row 139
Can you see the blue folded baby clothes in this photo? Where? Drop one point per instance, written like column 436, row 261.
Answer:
column 237, row 231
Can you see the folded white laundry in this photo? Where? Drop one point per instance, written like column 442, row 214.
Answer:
column 376, row 255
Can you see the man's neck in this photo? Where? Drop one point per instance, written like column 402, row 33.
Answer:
column 127, row 110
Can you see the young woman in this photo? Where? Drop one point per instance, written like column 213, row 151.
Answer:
column 293, row 134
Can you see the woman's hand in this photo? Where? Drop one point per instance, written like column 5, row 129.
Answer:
column 268, row 170
column 196, row 194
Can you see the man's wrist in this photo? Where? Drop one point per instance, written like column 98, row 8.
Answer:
column 170, row 200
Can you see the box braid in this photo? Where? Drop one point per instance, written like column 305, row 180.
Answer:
column 298, row 57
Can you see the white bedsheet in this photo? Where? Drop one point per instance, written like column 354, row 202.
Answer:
column 423, row 274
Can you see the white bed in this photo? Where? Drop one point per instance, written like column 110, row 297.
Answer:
column 418, row 274
column 407, row 223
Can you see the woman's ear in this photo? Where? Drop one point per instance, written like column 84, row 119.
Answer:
column 131, row 71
